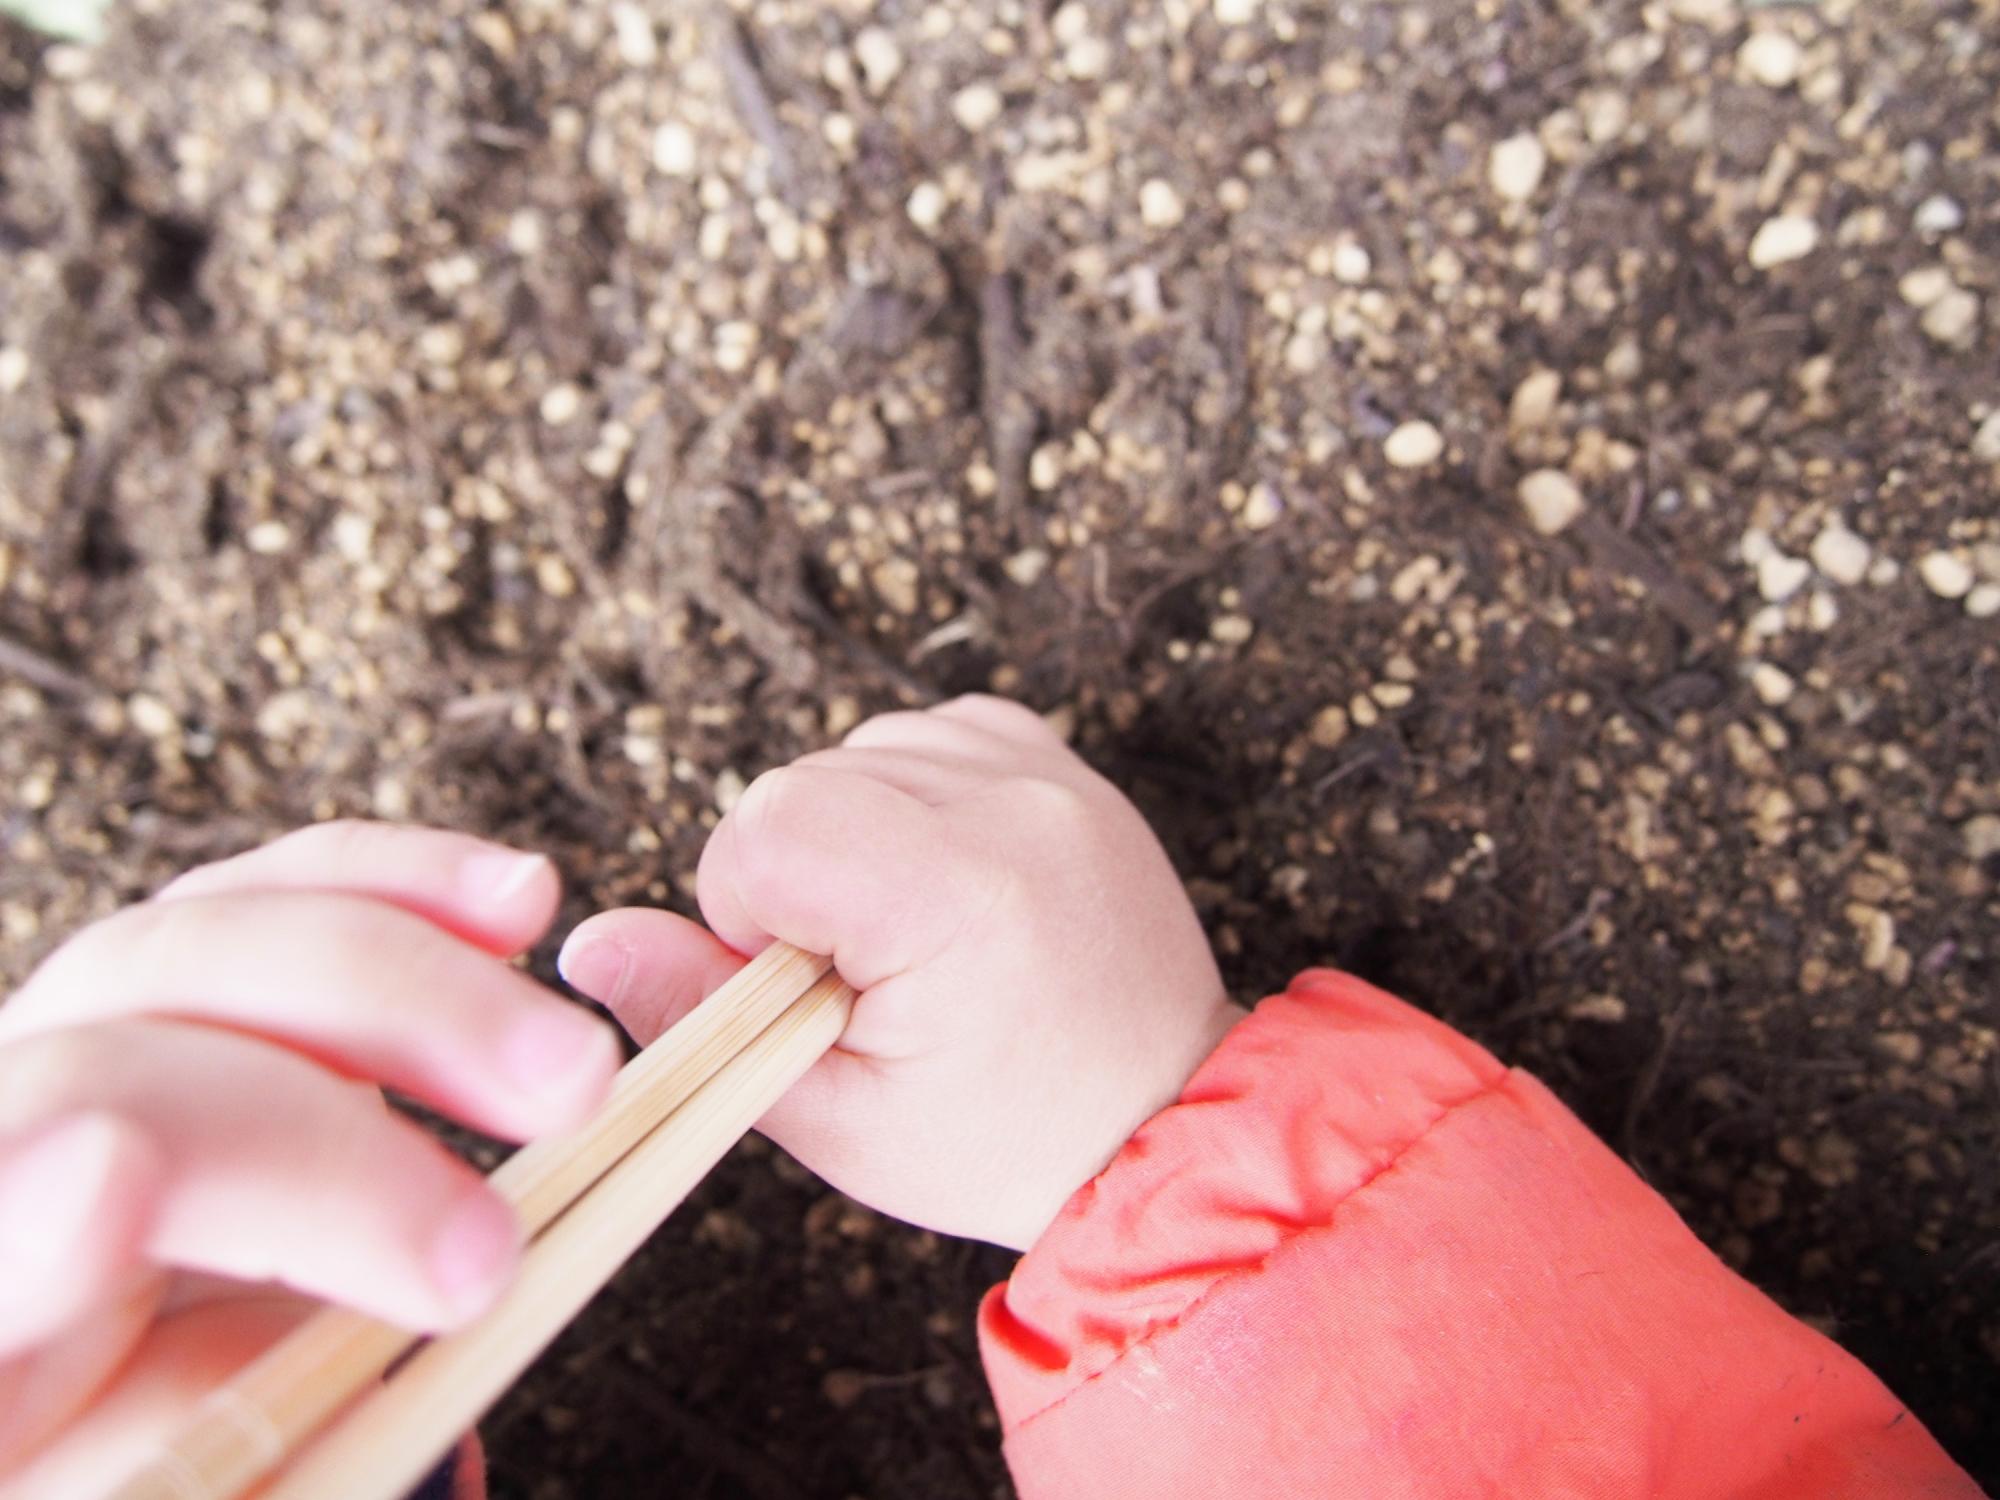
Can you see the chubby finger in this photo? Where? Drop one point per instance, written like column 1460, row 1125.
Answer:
column 933, row 776
column 648, row 968
column 498, row 898
column 1002, row 718
column 77, row 1196
column 373, row 991
column 841, row 864
column 271, row 1168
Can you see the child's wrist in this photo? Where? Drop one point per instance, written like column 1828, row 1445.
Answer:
column 1169, row 1080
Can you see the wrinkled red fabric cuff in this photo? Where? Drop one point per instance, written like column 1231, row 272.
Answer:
column 1360, row 1259
column 1320, row 1089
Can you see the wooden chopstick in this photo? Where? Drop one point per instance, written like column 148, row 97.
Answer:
column 387, row 1442
column 700, row 1082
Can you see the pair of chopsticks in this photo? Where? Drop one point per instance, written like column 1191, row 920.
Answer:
column 316, row 1408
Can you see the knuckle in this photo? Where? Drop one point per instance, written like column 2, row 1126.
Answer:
column 781, row 820
column 821, row 760
column 1002, row 711
column 897, row 727
column 129, row 941
column 46, row 1075
column 1044, row 801
column 343, row 840
column 764, row 810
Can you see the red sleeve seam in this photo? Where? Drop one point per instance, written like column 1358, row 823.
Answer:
column 1208, row 1293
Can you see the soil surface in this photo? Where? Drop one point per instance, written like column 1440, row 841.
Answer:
column 1511, row 486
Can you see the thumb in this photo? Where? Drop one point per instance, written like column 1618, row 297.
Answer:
column 648, row 968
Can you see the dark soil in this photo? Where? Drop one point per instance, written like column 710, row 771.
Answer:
column 539, row 419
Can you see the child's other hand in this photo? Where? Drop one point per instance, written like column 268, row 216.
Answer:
column 187, row 1115
column 1034, row 982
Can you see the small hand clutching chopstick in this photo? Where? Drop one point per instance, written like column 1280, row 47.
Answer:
column 227, row 1265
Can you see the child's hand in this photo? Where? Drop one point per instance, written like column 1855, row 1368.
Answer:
column 1034, row 982
column 186, row 1094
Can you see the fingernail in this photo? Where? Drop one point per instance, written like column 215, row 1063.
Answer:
column 499, row 875
column 474, row 1253
column 555, row 1044
column 51, row 1190
column 595, row 965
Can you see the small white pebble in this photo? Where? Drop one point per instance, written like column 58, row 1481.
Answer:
column 898, row 581
column 560, row 403
column 1925, row 285
column 927, row 205
column 1087, row 57
column 1821, row 611
column 674, row 150
column 1392, row 695
column 633, row 30
column 1840, row 554
column 268, row 538
column 976, row 106
column 1606, row 1008
column 1236, row 12
column 1328, row 727
column 1772, row 685
column 1771, row 58
column 1786, row 238
column 1716, row 15
column 1414, row 445
column 1070, row 22
column 880, row 56
column 390, row 798
column 1982, row 836
column 1953, row 320
column 441, row 344
column 1945, row 574
column 1352, row 265
column 1231, row 630
column 553, row 576
column 1261, row 508
column 353, row 536
column 1515, row 167
column 1027, row 565
column 1780, row 576
column 1160, row 206
column 729, row 788
column 736, row 345
column 1983, row 602
column 284, row 715
column 1986, row 441
column 1046, row 467
column 1938, row 215
column 715, row 235
column 1534, row 401
column 1551, row 499
column 150, row 716
column 525, row 232
column 1414, row 578
column 13, row 369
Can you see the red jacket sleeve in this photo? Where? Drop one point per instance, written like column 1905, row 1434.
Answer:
column 1359, row 1258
